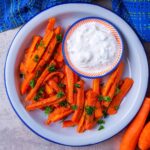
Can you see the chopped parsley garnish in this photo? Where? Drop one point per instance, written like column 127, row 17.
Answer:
column 39, row 94
column 101, row 121
column 59, row 38
column 74, row 107
column 104, row 98
column 89, row 110
column 61, row 85
column 48, row 110
column 21, row 75
column 105, row 113
column 116, row 107
column 63, row 103
column 36, row 58
column 32, row 83
column 51, row 68
column 117, row 91
column 101, row 127
column 60, row 94
column 77, row 85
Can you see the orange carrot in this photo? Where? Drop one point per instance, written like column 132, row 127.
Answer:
column 40, row 50
column 68, row 123
column 111, row 79
column 59, row 56
column 76, row 78
column 49, row 90
column 127, row 84
column 54, row 86
column 131, row 136
column 38, row 83
column 98, row 110
column 70, row 84
column 90, row 104
column 80, row 102
column 58, row 114
column 44, row 103
column 51, row 24
column 81, row 126
column 115, row 83
column 96, row 85
column 144, row 140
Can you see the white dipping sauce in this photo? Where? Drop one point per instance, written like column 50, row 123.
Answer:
column 91, row 45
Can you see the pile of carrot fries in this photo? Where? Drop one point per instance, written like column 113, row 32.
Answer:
column 50, row 85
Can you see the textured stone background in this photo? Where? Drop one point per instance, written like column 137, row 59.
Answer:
column 13, row 134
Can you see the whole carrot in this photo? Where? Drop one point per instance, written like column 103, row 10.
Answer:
column 131, row 136
column 144, row 140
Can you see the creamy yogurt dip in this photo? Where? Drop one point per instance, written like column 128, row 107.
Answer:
column 91, row 45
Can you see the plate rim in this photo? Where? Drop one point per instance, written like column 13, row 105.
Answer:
column 11, row 100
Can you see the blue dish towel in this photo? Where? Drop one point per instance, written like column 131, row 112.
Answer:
column 14, row 13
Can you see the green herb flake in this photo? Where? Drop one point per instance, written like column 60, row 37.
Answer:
column 105, row 113
column 101, row 127
column 60, row 94
column 74, row 107
column 77, row 85
column 61, row 85
column 32, row 83
column 117, row 91
column 51, row 68
column 89, row 110
column 116, row 107
column 36, row 58
column 48, row 110
column 107, row 98
column 36, row 97
column 63, row 103
column 101, row 121
column 59, row 38
column 21, row 75
column 100, row 98
column 39, row 94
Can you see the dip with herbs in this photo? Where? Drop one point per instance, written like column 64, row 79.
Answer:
column 91, row 45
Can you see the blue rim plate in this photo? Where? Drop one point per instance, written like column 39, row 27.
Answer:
column 134, row 57
column 72, row 66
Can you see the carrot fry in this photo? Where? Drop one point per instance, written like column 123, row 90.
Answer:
column 70, row 84
column 50, row 25
column 96, row 86
column 38, row 83
column 56, row 73
column 59, row 56
column 49, row 90
column 58, row 114
column 119, row 97
column 111, row 79
column 98, row 110
column 112, row 90
column 44, row 103
column 54, row 86
column 81, row 127
column 80, row 102
column 68, row 123
column 134, row 129
column 144, row 140
column 91, row 102
column 40, row 50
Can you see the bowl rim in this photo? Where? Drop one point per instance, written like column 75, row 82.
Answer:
column 64, row 41
column 17, row 113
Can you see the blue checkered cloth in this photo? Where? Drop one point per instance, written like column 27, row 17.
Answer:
column 14, row 13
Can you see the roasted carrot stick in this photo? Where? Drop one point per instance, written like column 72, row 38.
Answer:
column 90, row 108
column 112, row 90
column 81, row 124
column 40, row 50
column 38, row 83
column 96, row 85
column 111, row 79
column 70, row 84
column 80, row 102
column 49, row 90
column 50, row 25
column 76, row 78
column 59, row 56
column 98, row 110
column 134, row 129
column 127, row 84
column 43, row 103
column 68, row 123
column 54, row 86
column 144, row 140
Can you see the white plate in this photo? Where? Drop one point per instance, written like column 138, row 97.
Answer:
column 136, row 67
